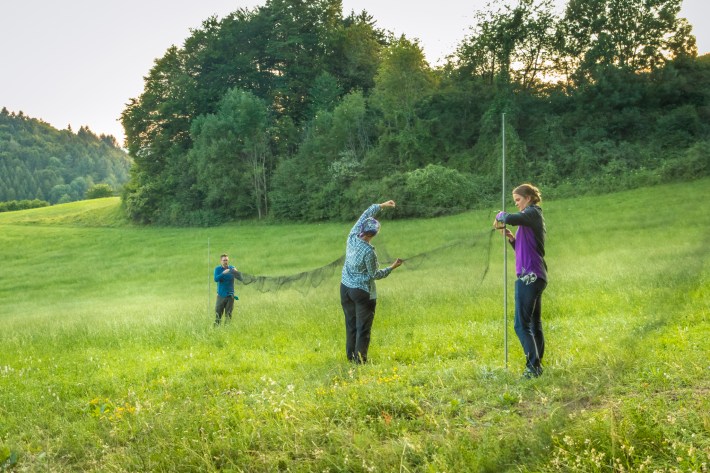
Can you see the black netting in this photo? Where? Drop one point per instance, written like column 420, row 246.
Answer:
column 309, row 279
column 301, row 281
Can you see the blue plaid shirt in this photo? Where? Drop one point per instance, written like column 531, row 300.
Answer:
column 361, row 268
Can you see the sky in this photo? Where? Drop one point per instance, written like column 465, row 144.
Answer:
column 79, row 62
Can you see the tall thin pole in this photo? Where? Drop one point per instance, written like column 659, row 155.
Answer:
column 209, row 276
column 505, row 255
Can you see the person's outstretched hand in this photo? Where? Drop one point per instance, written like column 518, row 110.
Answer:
column 397, row 263
column 389, row 203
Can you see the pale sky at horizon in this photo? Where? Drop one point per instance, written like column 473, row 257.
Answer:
column 79, row 62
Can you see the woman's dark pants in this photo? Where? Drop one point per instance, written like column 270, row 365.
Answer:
column 359, row 312
column 528, row 323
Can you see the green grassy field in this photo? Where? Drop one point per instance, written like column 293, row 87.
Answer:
column 109, row 361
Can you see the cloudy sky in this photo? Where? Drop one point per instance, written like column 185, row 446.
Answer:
column 78, row 62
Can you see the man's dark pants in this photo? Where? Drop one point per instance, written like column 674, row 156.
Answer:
column 359, row 312
column 528, row 323
column 224, row 305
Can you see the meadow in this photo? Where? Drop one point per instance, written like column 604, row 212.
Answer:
column 109, row 360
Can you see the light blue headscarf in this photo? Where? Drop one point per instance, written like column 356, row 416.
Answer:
column 370, row 226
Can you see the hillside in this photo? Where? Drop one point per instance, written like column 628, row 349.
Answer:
column 38, row 161
column 110, row 362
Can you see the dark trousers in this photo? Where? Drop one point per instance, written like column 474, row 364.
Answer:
column 359, row 312
column 528, row 323
column 224, row 305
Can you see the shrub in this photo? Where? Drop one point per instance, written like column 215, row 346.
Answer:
column 98, row 191
column 22, row 205
column 695, row 163
column 437, row 190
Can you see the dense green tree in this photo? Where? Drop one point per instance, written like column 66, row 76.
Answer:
column 638, row 35
column 298, row 37
column 450, row 118
column 512, row 43
column 231, row 155
column 403, row 81
column 284, row 53
column 324, row 94
column 309, row 186
column 357, row 46
column 222, row 55
column 157, row 126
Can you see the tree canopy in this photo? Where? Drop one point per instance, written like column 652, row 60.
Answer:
column 294, row 110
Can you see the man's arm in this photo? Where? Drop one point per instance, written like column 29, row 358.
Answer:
column 220, row 273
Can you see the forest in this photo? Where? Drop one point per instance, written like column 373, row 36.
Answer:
column 296, row 110
column 40, row 165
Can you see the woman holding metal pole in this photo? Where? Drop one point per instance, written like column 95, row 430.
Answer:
column 531, row 270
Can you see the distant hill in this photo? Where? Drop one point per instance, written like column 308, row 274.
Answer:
column 37, row 161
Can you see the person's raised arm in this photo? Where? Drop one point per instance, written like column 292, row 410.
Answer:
column 369, row 212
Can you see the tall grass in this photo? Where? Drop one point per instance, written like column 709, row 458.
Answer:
column 109, row 361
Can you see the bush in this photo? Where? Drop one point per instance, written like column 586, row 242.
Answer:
column 13, row 205
column 431, row 191
column 437, row 190
column 695, row 163
column 98, row 191
column 428, row 192
column 678, row 127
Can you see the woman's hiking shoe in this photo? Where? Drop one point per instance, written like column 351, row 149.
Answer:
column 530, row 373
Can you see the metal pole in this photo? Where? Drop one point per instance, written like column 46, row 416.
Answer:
column 209, row 276
column 505, row 255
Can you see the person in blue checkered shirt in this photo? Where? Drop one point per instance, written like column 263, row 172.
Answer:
column 358, row 294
